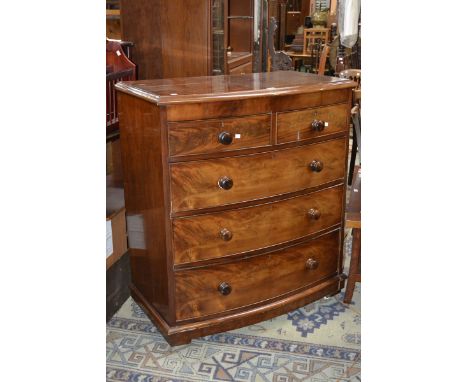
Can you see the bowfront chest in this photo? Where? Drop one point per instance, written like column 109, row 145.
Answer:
column 235, row 195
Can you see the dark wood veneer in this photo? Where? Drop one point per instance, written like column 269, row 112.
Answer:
column 299, row 125
column 255, row 279
column 198, row 137
column 141, row 133
column 226, row 233
column 194, row 185
column 183, row 333
column 198, row 237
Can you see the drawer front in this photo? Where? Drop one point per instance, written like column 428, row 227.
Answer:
column 198, row 137
column 311, row 123
column 242, row 69
column 214, row 182
column 225, row 233
column 256, row 279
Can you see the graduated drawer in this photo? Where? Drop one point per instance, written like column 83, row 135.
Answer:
column 311, row 123
column 218, row 288
column 199, row 137
column 199, row 184
column 226, row 233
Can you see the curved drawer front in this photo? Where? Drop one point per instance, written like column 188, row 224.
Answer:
column 199, row 137
column 225, row 233
column 311, row 123
column 198, row 184
column 199, row 292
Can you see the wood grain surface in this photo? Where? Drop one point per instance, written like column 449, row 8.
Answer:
column 198, row 137
column 199, row 237
column 144, row 188
column 296, row 125
column 170, row 91
column 194, row 185
column 255, row 279
column 225, row 233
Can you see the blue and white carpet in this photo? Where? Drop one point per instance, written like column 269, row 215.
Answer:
column 317, row 343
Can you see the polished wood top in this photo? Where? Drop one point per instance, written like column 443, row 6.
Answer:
column 232, row 87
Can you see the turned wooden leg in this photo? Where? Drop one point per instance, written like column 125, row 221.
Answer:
column 354, row 267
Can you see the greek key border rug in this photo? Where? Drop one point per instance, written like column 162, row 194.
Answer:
column 317, row 343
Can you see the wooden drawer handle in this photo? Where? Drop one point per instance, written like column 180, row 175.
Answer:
column 225, row 183
column 314, row 213
column 225, row 234
column 316, row 165
column 312, row 264
column 225, row 138
column 224, row 288
column 317, row 125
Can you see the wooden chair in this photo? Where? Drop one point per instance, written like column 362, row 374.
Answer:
column 318, row 58
column 323, row 59
column 118, row 68
column 355, row 75
column 311, row 35
column 353, row 221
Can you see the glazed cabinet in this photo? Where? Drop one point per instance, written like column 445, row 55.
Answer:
column 235, row 194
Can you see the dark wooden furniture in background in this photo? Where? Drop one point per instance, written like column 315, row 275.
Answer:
column 235, row 196
column 172, row 38
column 113, row 26
column 238, row 36
column 353, row 221
column 118, row 263
column 118, row 68
column 279, row 60
column 183, row 38
column 354, row 75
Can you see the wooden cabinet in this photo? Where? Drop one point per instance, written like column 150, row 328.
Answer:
column 183, row 38
column 235, row 192
column 239, row 36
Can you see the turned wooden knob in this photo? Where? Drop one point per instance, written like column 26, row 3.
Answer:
column 314, row 213
column 317, row 125
column 316, row 165
column 312, row 264
column 225, row 183
column 225, row 138
column 224, row 288
column 225, row 234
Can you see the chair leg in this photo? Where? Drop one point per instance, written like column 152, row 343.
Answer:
column 353, row 159
column 357, row 131
column 354, row 267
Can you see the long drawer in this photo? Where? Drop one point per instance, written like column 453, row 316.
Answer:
column 214, row 182
column 311, row 123
column 225, row 233
column 219, row 288
column 227, row 134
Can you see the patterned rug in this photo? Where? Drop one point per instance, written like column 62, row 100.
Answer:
column 317, row 343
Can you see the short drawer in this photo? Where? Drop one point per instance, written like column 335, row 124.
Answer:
column 223, row 181
column 198, row 137
column 311, row 123
column 226, row 233
column 214, row 289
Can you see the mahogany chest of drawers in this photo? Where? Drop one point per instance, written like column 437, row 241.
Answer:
column 235, row 195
